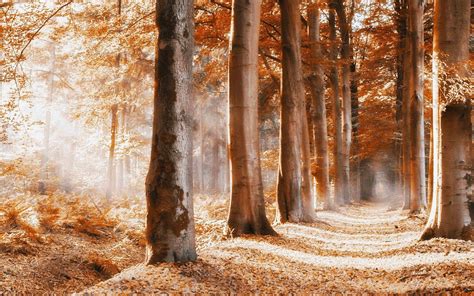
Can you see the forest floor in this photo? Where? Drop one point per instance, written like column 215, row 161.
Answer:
column 359, row 249
column 364, row 248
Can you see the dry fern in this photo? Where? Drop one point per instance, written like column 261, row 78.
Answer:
column 105, row 267
column 12, row 212
column 97, row 226
column 48, row 214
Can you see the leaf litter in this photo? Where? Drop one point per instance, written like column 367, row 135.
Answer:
column 362, row 249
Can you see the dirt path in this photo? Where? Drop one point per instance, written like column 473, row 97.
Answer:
column 358, row 249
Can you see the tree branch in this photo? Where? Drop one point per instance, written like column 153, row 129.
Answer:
column 41, row 27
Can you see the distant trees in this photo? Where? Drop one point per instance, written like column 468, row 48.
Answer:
column 247, row 208
column 170, row 234
column 452, row 127
column 111, row 167
column 42, row 184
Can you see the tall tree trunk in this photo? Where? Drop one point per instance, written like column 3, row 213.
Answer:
column 355, row 165
column 406, row 153
column 417, row 131
column 69, row 168
column 431, row 168
column 336, row 112
column 47, row 127
column 247, row 207
column 453, row 140
column 111, row 170
column 346, row 98
column 200, row 159
column 308, row 199
column 295, row 204
column 319, row 110
column 401, row 102
column 309, row 108
column 125, row 158
column 215, row 163
column 170, row 234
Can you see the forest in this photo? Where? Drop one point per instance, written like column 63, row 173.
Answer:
column 236, row 147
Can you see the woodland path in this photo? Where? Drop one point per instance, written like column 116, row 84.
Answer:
column 359, row 249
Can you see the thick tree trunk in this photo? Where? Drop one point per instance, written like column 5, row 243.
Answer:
column 336, row 113
column 295, row 203
column 319, row 111
column 417, row 131
column 451, row 182
column 170, row 234
column 247, row 207
column 346, row 98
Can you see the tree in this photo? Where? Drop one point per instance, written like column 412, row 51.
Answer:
column 295, row 202
column 319, row 109
column 346, row 97
column 415, row 92
column 402, row 115
column 336, row 112
column 170, row 234
column 452, row 127
column 47, row 126
column 247, row 207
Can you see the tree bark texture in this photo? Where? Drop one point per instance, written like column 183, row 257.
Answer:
column 336, row 113
column 319, row 119
column 247, row 207
column 295, row 202
column 346, row 98
column 452, row 129
column 170, row 234
column 417, row 131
